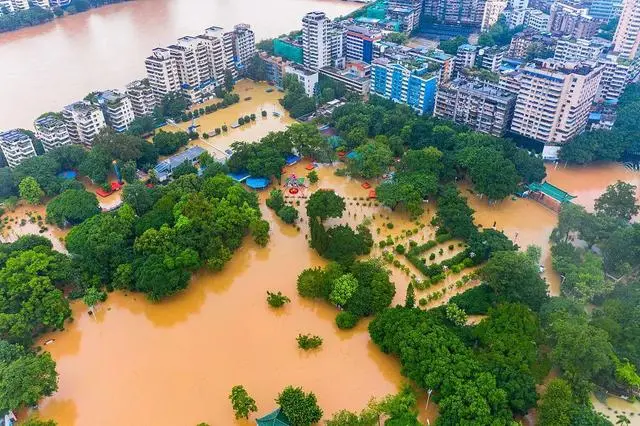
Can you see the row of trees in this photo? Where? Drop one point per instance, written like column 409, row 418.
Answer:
column 616, row 144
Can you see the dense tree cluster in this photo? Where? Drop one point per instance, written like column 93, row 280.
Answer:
column 499, row 34
column 267, row 157
column 72, row 207
column 32, row 276
column 494, row 165
column 609, row 145
column 24, row 18
column 172, row 231
column 44, row 169
column 361, row 289
column 295, row 99
column 168, row 143
column 340, row 243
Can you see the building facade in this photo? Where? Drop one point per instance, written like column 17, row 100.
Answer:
column 16, row 147
column 483, row 107
column 492, row 11
column 627, row 37
column 162, row 73
column 572, row 20
column 142, row 99
column 407, row 84
column 84, row 121
column 570, row 49
column 243, row 42
column 616, row 72
column 275, row 68
column 117, row 109
column 52, row 132
column 605, row 10
column 490, row 58
column 536, row 20
column 359, row 43
column 456, row 12
column 407, row 12
column 315, row 41
column 465, row 57
column 554, row 100
column 355, row 76
column 308, row 78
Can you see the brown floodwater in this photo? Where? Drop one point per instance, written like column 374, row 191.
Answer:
column 46, row 67
column 175, row 362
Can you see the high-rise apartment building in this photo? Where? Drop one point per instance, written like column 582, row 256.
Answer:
column 537, row 20
column 569, row 49
column 572, row 20
column 16, row 147
column 42, row 4
column 616, row 73
column 359, row 43
column 243, row 42
column 222, row 50
column 483, row 107
column 406, row 83
column 490, row 58
column 141, row 95
column 315, row 40
column 162, row 73
column 492, row 11
column 52, row 131
column 117, row 109
column 554, row 100
column 84, row 121
column 407, row 12
column 455, row 12
column 465, row 57
column 627, row 37
column 192, row 63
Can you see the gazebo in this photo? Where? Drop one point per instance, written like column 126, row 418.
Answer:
column 275, row 418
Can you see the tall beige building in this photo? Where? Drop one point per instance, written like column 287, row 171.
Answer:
column 627, row 37
column 492, row 11
column 554, row 99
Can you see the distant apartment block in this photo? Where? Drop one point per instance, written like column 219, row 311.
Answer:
column 337, row 42
column 355, row 76
column 16, row 147
column 627, row 37
column 616, row 73
column 117, row 109
column 490, row 58
column 308, row 78
column 492, row 11
column 483, row 107
column 84, row 121
column 405, row 83
column 465, row 57
column 554, row 100
column 536, row 20
column 42, row 4
column 142, row 99
column 315, row 40
column 275, row 68
column 605, row 10
column 12, row 6
column 522, row 42
column 572, row 20
column 407, row 12
column 570, row 49
column 52, row 131
column 455, row 12
column 359, row 43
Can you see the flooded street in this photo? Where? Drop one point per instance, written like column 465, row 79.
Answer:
column 107, row 46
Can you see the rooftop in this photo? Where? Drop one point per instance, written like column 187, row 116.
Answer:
column 480, row 88
column 48, row 122
column 14, row 136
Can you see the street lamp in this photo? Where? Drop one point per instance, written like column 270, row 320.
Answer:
column 427, row 407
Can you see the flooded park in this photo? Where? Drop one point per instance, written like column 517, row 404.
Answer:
column 174, row 362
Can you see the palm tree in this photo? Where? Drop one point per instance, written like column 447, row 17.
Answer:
column 623, row 420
